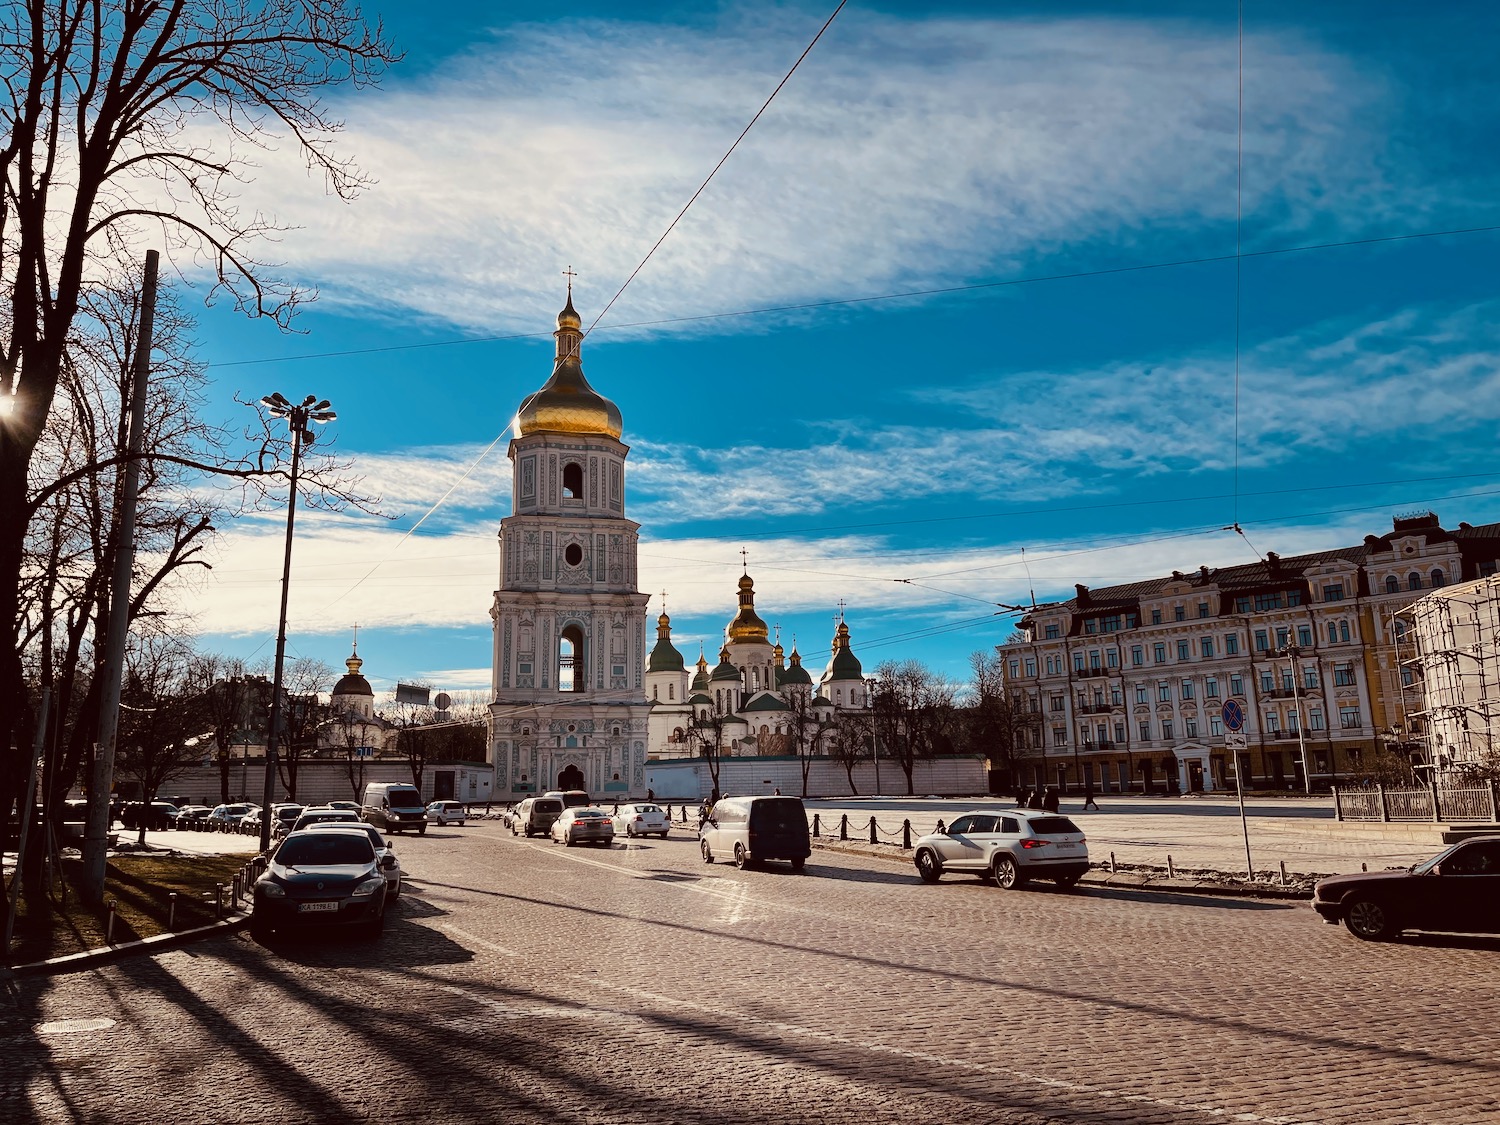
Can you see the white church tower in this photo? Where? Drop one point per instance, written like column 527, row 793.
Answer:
column 570, row 709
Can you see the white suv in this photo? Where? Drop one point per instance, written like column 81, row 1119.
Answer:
column 1009, row 846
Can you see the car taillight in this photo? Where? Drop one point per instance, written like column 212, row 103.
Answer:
column 639, row 819
column 1034, row 843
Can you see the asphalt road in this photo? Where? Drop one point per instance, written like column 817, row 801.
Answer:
column 522, row 981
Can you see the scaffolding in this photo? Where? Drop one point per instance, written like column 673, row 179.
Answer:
column 1448, row 650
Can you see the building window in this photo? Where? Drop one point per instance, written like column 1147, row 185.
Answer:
column 1215, row 725
column 1344, row 631
column 1334, row 593
column 1349, row 718
column 1141, row 695
column 1310, row 678
column 572, row 481
column 1315, row 719
column 1015, row 669
column 1283, row 637
column 1343, row 675
column 1207, row 647
column 1187, row 689
column 1392, row 584
column 1414, row 581
column 1190, row 727
column 1094, row 660
column 1115, row 695
column 571, row 670
column 1112, row 623
column 1078, row 662
column 1050, row 632
column 1262, row 640
column 1182, row 650
column 1137, row 655
column 1090, row 625
column 1057, row 702
column 1179, row 612
column 1437, row 579
column 1294, row 597
column 1164, row 693
column 1273, row 600
column 1232, row 645
column 1273, row 722
column 1202, row 609
column 1145, row 728
column 1236, row 685
column 1031, row 667
column 655, row 692
column 1211, row 689
column 1267, row 682
column 671, row 691
column 1241, row 605
column 1059, row 736
column 1156, row 617
column 1166, row 728
column 1114, row 657
column 1304, row 636
column 1119, row 732
column 1160, row 653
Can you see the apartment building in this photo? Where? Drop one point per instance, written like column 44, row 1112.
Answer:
column 1454, row 654
column 1130, row 681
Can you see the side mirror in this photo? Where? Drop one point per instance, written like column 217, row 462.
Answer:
column 388, row 862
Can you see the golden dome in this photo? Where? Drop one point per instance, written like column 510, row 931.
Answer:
column 747, row 626
column 566, row 403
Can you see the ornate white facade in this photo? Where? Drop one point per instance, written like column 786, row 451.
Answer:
column 569, row 707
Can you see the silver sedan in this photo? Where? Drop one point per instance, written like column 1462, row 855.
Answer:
column 584, row 825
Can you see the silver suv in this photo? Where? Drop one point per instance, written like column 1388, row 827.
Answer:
column 1009, row 846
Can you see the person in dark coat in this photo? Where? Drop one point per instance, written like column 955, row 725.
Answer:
column 1050, row 799
column 1035, row 800
column 1088, row 798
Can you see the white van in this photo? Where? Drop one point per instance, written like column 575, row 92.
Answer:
column 394, row 807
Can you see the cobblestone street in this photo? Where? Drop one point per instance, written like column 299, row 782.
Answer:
column 521, row 981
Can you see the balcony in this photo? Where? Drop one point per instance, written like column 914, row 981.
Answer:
column 1091, row 673
column 1097, row 709
column 1282, row 735
column 1096, row 747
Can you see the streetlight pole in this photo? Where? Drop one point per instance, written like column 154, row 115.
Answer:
column 298, row 417
column 874, row 734
column 1293, row 652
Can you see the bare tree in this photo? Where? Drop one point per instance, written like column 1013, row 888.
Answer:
column 996, row 722
column 706, row 734
column 913, row 714
column 349, row 731
column 803, row 726
column 161, row 717
column 106, row 107
column 850, row 741
column 226, row 701
column 303, row 680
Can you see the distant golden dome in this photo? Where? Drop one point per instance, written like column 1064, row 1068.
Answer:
column 566, row 403
column 747, row 625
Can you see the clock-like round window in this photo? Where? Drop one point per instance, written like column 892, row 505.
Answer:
column 573, row 554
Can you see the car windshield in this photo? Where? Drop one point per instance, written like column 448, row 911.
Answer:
column 404, row 799
column 325, row 849
column 290, row 814
column 376, row 839
column 1052, row 825
column 325, row 818
column 1428, row 864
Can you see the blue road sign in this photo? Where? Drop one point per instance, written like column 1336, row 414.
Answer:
column 1234, row 717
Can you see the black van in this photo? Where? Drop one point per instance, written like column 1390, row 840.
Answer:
column 752, row 829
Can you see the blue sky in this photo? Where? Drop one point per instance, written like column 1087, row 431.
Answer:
column 897, row 454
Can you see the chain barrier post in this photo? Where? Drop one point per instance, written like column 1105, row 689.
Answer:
column 816, row 832
column 1171, row 869
column 109, row 925
column 172, row 910
column 872, row 831
column 906, row 835
column 844, row 827
column 219, row 902
column 1283, row 873
column 1111, row 863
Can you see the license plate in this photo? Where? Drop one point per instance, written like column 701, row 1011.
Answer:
column 316, row 907
column 1065, row 844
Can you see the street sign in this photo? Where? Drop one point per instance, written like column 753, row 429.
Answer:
column 1235, row 740
column 1234, row 717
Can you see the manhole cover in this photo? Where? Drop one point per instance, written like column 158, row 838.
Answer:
column 74, row 1027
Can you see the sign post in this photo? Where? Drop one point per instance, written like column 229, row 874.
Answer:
column 1234, row 742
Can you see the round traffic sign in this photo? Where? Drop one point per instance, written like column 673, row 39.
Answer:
column 1234, row 717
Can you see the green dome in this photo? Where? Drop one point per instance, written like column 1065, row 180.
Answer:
column 664, row 657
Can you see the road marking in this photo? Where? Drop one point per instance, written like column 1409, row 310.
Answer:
column 466, row 936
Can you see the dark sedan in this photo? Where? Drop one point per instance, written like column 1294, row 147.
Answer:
column 1456, row 892
column 327, row 878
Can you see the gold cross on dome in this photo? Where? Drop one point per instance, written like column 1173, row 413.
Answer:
column 664, row 601
column 745, row 555
column 356, row 634
column 570, row 275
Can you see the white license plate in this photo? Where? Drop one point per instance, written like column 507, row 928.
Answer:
column 1065, row 844
column 316, row 907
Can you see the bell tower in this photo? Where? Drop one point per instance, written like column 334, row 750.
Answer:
column 569, row 655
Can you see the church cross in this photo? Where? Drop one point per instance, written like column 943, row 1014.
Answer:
column 356, row 634
column 745, row 555
column 570, row 275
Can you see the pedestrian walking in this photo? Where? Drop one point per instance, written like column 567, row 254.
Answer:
column 1088, row 800
column 1050, row 800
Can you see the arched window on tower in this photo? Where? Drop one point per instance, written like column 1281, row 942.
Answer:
column 572, row 669
column 1392, row 584
column 573, row 480
column 1437, row 579
column 671, row 691
column 1414, row 581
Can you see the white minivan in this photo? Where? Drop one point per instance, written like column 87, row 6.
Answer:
column 394, row 807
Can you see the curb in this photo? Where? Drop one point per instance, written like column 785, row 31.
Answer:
column 89, row 958
column 1129, row 880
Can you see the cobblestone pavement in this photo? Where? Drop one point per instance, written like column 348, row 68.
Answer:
column 522, row 981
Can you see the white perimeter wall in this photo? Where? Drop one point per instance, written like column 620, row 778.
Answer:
column 688, row 779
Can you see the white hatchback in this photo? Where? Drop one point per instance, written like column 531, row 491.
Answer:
column 1009, row 846
column 447, row 812
column 643, row 819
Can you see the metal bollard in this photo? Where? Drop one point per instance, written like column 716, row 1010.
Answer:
column 906, row 835
column 844, row 827
column 1111, row 863
column 872, row 830
column 817, row 826
column 109, row 924
column 234, row 891
column 1364, row 867
column 219, row 901
column 1283, row 873
column 1171, row 868
column 172, row 910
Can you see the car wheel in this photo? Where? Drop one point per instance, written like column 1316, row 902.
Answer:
column 928, row 866
column 1369, row 919
column 374, row 927
column 260, row 931
column 1007, row 874
column 1067, row 882
column 798, row 864
column 741, row 857
column 422, row 831
column 708, row 856
column 663, row 835
column 568, row 840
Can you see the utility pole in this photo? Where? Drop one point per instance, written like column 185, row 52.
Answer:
column 102, row 777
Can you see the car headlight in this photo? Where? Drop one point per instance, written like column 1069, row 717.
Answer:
column 371, row 884
column 272, row 890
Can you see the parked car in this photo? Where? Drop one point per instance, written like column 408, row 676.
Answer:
column 382, row 846
column 755, row 829
column 249, row 824
column 327, row 878
column 446, row 812
column 1009, row 846
column 394, row 807
column 585, row 825
column 323, row 815
column 350, row 806
column 535, row 815
column 644, row 819
column 1456, row 891
column 571, row 798
column 158, row 816
column 193, row 816
column 225, row 817
column 285, row 815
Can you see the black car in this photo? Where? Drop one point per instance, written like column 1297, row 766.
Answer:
column 327, row 878
column 158, row 816
column 1457, row 892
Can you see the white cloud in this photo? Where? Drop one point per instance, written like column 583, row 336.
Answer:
column 904, row 152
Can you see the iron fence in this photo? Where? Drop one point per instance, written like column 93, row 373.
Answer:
column 1436, row 803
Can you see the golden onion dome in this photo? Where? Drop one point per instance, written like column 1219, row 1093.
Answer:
column 566, row 403
column 747, row 627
